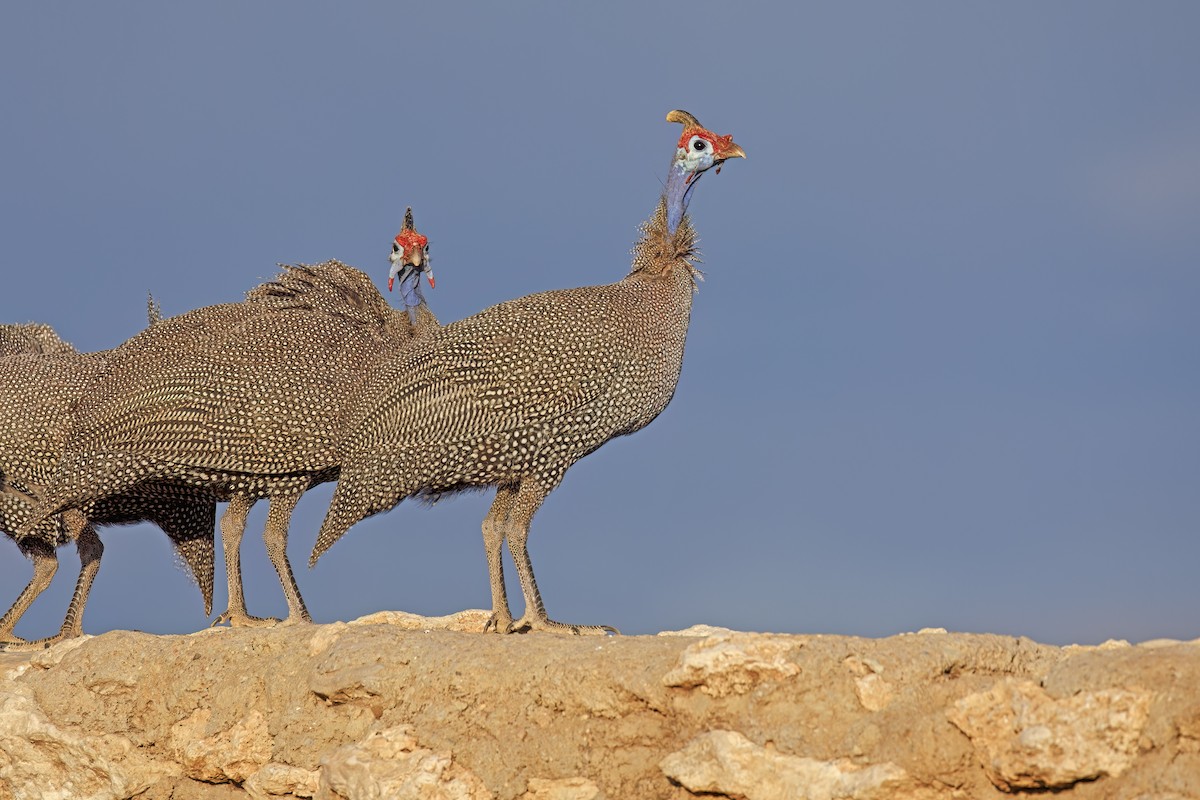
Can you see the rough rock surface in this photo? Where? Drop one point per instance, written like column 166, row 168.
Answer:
column 397, row 706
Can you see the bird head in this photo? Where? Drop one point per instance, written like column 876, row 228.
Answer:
column 699, row 148
column 410, row 256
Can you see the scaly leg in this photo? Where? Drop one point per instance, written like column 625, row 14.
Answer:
column 275, row 537
column 528, row 499
column 233, row 525
column 90, row 551
column 45, row 564
column 493, row 544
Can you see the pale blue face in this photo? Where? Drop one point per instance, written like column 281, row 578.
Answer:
column 697, row 154
column 414, row 253
column 409, row 257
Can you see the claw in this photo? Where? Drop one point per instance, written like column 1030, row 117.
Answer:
column 498, row 623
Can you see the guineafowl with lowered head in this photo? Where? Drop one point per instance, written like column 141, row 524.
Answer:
column 41, row 379
column 516, row 394
column 243, row 401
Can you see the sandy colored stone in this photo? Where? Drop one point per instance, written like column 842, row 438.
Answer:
column 43, row 761
column 699, row 631
column 726, row 763
column 231, row 755
column 1026, row 739
column 282, row 780
column 516, row 717
column 562, row 789
column 53, row 656
column 324, row 637
column 1108, row 644
column 391, row 765
column 471, row 620
column 1188, row 730
column 872, row 690
column 734, row 663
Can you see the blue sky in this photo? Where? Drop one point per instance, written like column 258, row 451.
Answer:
column 942, row 370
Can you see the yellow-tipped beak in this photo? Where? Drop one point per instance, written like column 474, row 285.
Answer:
column 732, row 151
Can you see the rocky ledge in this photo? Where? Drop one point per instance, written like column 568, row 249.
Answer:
column 397, row 706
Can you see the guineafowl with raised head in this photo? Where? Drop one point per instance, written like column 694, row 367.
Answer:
column 243, row 401
column 41, row 379
column 516, row 394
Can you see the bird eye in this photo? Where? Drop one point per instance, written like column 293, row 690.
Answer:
column 395, row 247
column 699, row 145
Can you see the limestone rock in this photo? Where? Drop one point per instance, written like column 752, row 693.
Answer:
column 282, row 780
column 698, row 630
column 873, row 691
column 324, row 637
column 471, row 620
column 376, row 709
column 232, row 755
column 391, row 765
column 728, row 764
column 734, row 663
column 53, row 656
column 562, row 789
column 1027, row 739
column 42, row 761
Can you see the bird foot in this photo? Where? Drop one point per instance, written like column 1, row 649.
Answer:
column 16, row 644
column 243, row 620
column 498, row 623
column 527, row 624
column 10, row 638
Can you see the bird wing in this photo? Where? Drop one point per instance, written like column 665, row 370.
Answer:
column 231, row 388
column 502, row 370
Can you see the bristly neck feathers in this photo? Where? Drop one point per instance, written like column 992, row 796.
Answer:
column 668, row 239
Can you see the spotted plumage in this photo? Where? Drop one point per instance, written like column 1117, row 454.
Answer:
column 41, row 379
column 238, row 401
column 516, row 394
column 32, row 338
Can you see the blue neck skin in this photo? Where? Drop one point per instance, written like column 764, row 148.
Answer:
column 677, row 194
column 410, row 291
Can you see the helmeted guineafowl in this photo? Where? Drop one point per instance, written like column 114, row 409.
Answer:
column 41, row 379
column 516, row 394
column 243, row 401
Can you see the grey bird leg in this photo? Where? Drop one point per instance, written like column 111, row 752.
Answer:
column 493, row 544
column 90, row 549
column 275, row 537
column 233, row 525
column 523, row 506
column 45, row 564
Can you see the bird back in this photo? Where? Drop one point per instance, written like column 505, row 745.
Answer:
column 255, row 388
column 522, row 389
column 32, row 337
